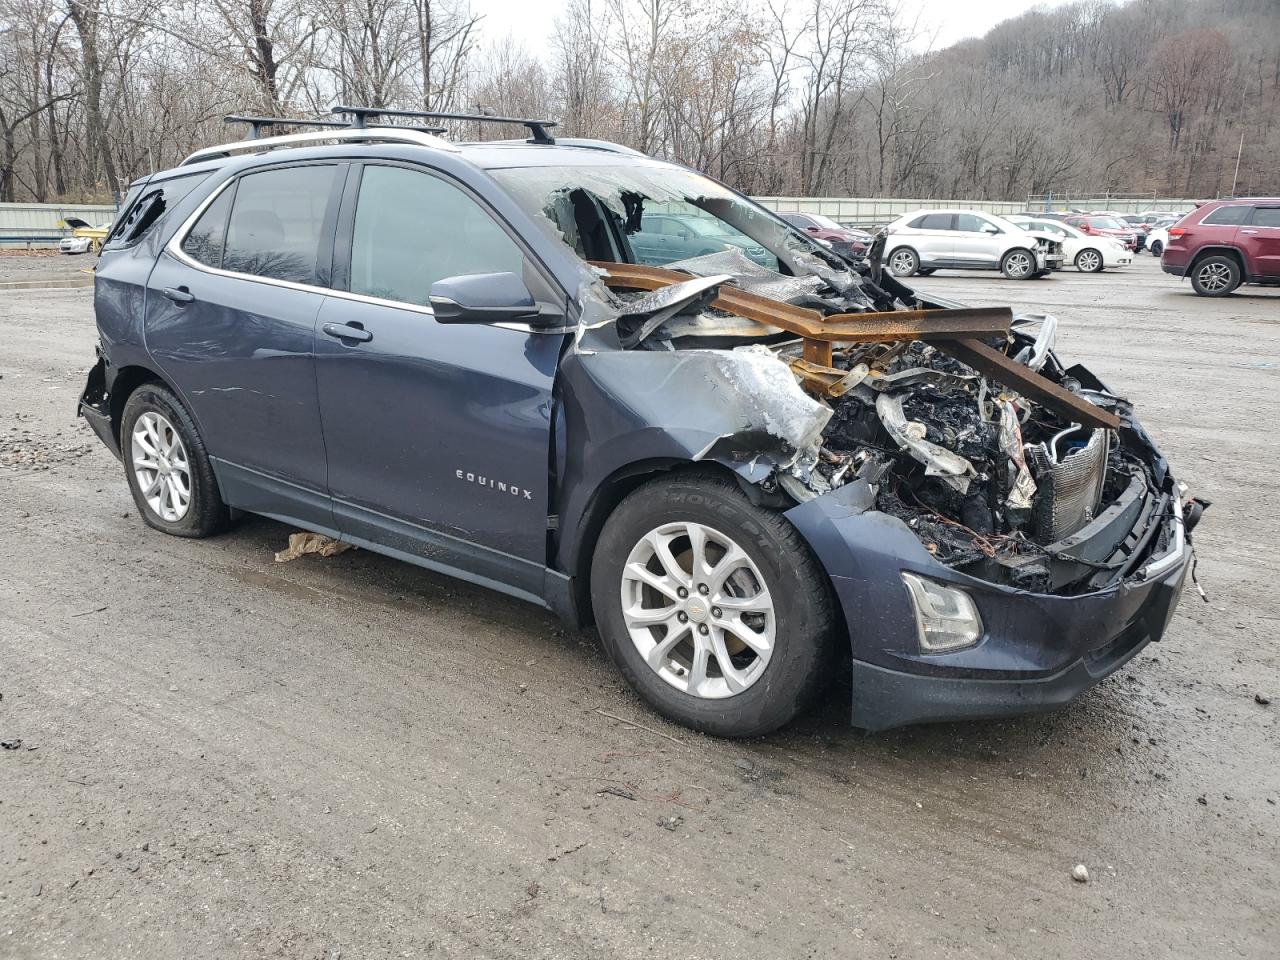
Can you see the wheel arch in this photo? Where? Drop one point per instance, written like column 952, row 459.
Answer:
column 578, row 547
column 1218, row 250
column 124, row 384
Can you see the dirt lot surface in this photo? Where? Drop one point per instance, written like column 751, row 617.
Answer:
column 223, row 756
column 43, row 265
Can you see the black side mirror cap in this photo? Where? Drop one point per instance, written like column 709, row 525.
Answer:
column 483, row 298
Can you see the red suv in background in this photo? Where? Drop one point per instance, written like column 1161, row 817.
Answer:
column 842, row 239
column 1226, row 243
column 1105, row 226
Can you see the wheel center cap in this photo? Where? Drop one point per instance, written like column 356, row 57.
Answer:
column 696, row 607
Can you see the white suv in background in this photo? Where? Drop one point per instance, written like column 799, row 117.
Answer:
column 927, row 240
column 1090, row 254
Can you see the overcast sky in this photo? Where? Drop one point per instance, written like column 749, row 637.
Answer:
column 947, row 20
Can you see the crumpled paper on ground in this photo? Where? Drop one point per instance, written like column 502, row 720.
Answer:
column 303, row 542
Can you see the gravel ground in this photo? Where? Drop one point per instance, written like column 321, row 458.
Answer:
column 225, row 756
column 43, row 265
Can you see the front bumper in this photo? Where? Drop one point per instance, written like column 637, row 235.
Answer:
column 1038, row 651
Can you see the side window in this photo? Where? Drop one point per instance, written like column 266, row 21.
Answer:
column 276, row 222
column 968, row 223
column 205, row 241
column 936, row 221
column 1266, row 216
column 1228, row 216
column 412, row 229
column 917, row 223
column 149, row 202
column 802, row 222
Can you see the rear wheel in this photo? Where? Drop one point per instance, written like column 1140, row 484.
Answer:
column 1215, row 276
column 715, row 610
column 169, row 473
column 903, row 262
column 1089, row 261
column 1018, row 264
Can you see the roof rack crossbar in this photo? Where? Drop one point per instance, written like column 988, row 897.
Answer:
column 360, row 116
column 259, row 124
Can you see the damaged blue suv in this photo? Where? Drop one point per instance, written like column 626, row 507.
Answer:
column 745, row 470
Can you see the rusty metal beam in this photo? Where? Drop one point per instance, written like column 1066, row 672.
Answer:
column 813, row 326
column 994, row 364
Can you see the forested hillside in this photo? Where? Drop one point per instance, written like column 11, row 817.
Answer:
column 819, row 97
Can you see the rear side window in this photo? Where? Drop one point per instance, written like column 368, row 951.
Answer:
column 1266, row 216
column 933, row 221
column 205, row 241
column 146, row 205
column 412, row 229
column 1228, row 216
column 277, row 220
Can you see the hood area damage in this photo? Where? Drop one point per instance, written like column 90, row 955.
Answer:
column 818, row 373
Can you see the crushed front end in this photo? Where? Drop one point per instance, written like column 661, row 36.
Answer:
column 990, row 556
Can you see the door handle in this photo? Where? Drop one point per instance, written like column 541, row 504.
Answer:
column 1250, row 232
column 347, row 331
column 179, row 295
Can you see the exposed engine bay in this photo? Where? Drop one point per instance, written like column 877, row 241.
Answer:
column 1022, row 473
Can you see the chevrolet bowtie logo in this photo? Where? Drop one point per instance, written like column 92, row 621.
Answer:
column 514, row 489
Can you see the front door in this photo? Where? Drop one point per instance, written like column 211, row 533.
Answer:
column 231, row 314
column 1260, row 241
column 977, row 240
column 438, row 435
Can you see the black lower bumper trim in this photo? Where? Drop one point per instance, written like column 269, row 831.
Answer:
column 884, row 698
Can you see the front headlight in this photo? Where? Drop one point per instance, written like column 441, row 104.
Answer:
column 946, row 617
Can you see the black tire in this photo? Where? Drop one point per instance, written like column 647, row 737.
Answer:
column 903, row 262
column 1157, row 248
column 1215, row 276
column 1019, row 264
column 799, row 664
column 1089, row 260
column 206, row 514
column 925, row 271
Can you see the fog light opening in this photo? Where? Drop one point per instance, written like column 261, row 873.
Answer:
column 946, row 617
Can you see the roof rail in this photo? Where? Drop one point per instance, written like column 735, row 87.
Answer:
column 360, row 116
column 342, row 133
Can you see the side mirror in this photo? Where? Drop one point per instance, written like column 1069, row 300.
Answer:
column 812, row 229
column 990, row 228
column 482, row 298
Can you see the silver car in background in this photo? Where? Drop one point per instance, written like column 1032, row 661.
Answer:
column 927, row 240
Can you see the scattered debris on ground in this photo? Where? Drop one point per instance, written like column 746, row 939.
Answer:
column 303, row 543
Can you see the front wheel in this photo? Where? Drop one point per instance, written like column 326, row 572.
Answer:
column 1018, row 264
column 1089, row 261
column 903, row 262
column 169, row 473
column 1215, row 276
column 1157, row 248
column 714, row 609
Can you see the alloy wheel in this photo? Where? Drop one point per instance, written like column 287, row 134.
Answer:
column 1018, row 265
column 1214, row 277
column 698, row 610
column 1088, row 261
column 161, row 466
column 903, row 263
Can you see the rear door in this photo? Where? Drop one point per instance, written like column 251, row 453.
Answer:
column 231, row 314
column 438, row 435
column 1260, row 241
column 933, row 236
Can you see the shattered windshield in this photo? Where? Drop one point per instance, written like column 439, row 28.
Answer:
column 654, row 215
